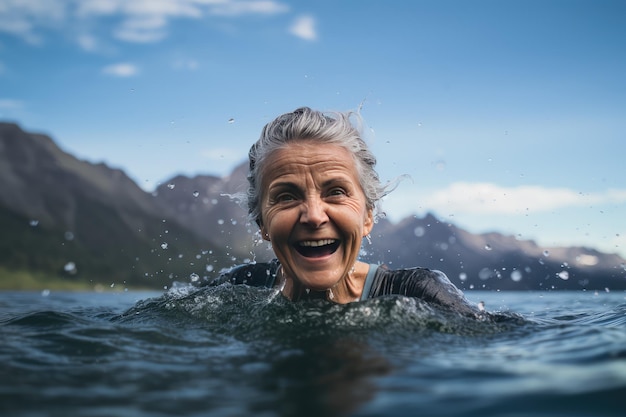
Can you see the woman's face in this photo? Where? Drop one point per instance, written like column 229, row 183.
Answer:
column 314, row 212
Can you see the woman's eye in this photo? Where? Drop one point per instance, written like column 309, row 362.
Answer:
column 337, row 192
column 285, row 197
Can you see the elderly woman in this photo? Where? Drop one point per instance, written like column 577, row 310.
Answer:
column 313, row 191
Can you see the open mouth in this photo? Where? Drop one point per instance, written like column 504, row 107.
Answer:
column 317, row 248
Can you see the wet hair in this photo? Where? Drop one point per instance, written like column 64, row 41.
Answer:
column 305, row 124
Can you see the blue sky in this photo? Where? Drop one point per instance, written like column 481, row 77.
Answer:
column 506, row 115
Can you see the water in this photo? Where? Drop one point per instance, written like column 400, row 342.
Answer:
column 237, row 351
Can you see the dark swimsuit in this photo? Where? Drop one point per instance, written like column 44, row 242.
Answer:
column 429, row 285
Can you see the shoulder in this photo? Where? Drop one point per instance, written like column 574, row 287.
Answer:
column 428, row 284
column 262, row 274
column 408, row 281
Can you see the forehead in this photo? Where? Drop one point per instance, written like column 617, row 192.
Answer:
column 307, row 157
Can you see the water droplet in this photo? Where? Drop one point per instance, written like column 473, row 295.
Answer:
column 70, row 267
column 231, row 121
column 546, row 253
column 488, row 247
column 112, row 284
column 564, row 275
column 45, row 293
column 220, row 221
column 209, row 268
column 171, row 186
column 194, row 277
column 196, row 193
column 164, row 245
column 516, row 275
column 419, row 231
column 69, row 236
column 34, row 222
column 463, row 276
column 485, row 274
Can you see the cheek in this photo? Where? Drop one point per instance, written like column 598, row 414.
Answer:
column 276, row 223
column 356, row 221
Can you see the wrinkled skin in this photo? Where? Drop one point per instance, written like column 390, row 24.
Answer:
column 315, row 214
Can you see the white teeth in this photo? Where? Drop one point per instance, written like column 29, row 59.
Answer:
column 317, row 243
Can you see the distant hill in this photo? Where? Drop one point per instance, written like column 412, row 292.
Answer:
column 493, row 261
column 89, row 222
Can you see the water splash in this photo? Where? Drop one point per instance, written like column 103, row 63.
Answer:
column 262, row 314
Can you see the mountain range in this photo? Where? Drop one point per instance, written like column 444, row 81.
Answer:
column 90, row 223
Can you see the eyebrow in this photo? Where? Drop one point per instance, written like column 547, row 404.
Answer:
column 342, row 179
column 282, row 184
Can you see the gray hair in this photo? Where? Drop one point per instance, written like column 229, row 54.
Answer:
column 305, row 124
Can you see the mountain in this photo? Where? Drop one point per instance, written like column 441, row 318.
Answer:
column 82, row 221
column 207, row 206
column 493, row 261
column 489, row 261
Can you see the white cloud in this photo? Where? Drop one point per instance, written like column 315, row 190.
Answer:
column 87, row 42
column 145, row 29
column 491, row 198
column 10, row 104
column 122, row 70
column 488, row 198
column 19, row 27
column 304, row 27
column 22, row 17
column 236, row 8
column 186, row 64
column 141, row 20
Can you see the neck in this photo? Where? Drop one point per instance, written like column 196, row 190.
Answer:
column 347, row 290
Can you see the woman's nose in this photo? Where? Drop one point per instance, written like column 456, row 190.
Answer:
column 314, row 212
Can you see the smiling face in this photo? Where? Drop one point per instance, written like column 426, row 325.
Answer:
column 314, row 212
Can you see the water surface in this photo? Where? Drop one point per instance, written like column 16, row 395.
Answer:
column 233, row 351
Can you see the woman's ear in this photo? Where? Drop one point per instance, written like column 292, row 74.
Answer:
column 264, row 233
column 368, row 223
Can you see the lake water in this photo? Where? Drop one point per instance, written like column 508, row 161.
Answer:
column 238, row 351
